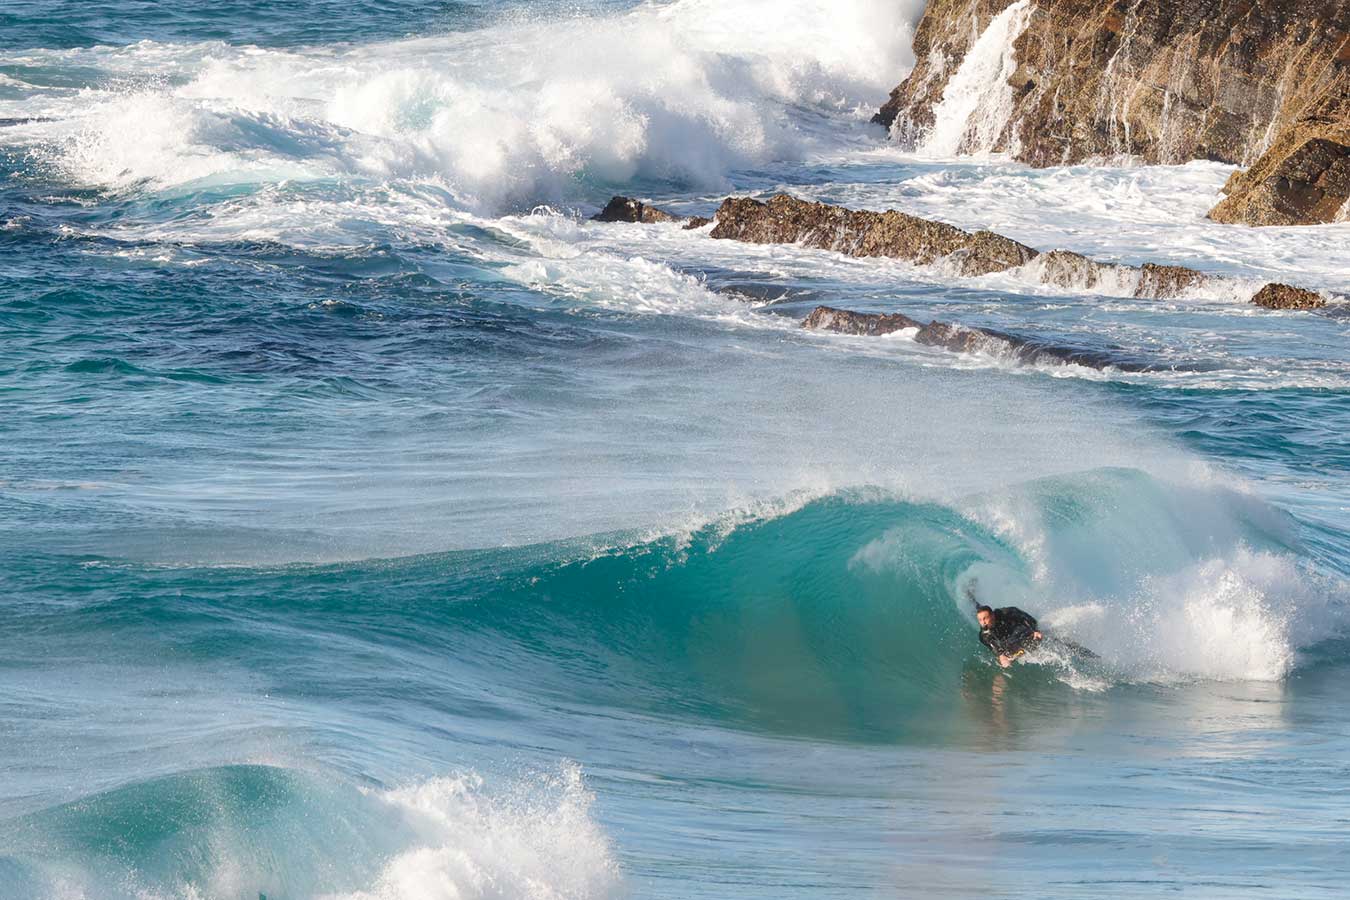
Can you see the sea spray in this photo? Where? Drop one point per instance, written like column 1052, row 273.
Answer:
column 515, row 115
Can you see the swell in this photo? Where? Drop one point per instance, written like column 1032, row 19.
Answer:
column 843, row 616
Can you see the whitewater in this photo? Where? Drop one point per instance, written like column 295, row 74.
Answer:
column 373, row 524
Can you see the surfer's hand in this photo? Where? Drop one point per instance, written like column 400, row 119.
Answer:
column 1004, row 660
column 1037, row 635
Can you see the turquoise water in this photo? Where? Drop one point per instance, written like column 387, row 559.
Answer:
column 372, row 525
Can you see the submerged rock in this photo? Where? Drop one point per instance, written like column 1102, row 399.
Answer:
column 1284, row 296
column 863, row 233
column 843, row 321
column 964, row 339
column 626, row 209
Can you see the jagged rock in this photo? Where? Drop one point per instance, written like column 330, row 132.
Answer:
column 1064, row 268
column 696, row 222
column 1305, row 185
column 626, row 209
column 843, row 321
column 788, row 220
column 1284, row 296
column 1164, row 81
column 1165, row 282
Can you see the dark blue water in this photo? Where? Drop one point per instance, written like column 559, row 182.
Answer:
column 374, row 526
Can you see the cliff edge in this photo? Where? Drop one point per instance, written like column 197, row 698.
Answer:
column 1259, row 83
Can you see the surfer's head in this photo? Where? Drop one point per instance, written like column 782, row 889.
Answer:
column 984, row 615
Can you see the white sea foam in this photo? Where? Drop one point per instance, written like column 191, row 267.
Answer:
column 510, row 115
column 1165, row 580
column 977, row 101
column 536, row 842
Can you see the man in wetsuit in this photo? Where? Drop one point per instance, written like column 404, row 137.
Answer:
column 1006, row 631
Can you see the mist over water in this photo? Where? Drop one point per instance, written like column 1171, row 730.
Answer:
column 373, row 525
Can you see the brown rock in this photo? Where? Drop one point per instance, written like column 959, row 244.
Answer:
column 1284, row 296
column 989, row 252
column 843, row 321
column 788, row 220
column 956, row 338
column 1067, row 269
column 696, row 222
column 1305, row 185
column 626, row 209
column 1165, row 282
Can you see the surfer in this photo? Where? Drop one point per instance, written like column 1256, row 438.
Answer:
column 1007, row 631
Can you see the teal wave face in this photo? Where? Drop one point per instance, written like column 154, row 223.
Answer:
column 843, row 618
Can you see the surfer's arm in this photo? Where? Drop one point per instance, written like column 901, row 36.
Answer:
column 1025, row 622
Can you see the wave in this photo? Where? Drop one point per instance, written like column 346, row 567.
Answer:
column 513, row 115
column 848, row 613
column 266, row 831
column 841, row 616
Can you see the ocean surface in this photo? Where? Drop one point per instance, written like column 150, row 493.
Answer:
column 373, row 525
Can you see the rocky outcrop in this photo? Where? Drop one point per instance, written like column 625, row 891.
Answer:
column 787, row 220
column 1166, row 282
column 896, row 235
column 1307, row 184
column 626, row 209
column 965, row 339
column 1284, row 296
column 1264, row 83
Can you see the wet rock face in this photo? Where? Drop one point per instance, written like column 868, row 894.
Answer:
column 626, row 209
column 963, row 339
column 843, row 321
column 1066, row 269
column 863, row 233
column 1306, row 185
column 1166, row 282
column 1164, row 81
column 1284, row 296
column 788, row 220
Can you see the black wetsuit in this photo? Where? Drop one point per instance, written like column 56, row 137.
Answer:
column 1012, row 630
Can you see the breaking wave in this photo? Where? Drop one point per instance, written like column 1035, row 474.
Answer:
column 506, row 117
